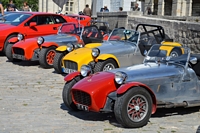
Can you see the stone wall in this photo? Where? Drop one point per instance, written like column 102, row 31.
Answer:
column 186, row 33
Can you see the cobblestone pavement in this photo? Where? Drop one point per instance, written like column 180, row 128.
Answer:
column 31, row 101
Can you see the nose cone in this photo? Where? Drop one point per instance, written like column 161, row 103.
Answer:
column 98, row 86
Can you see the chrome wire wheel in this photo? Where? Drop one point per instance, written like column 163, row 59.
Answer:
column 137, row 108
column 108, row 66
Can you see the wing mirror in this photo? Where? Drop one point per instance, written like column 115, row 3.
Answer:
column 193, row 60
column 32, row 24
column 145, row 52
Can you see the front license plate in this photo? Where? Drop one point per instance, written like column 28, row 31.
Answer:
column 82, row 107
column 66, row 70
column 17, row 56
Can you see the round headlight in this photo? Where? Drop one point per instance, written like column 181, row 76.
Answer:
column 20, row 37
column 70, row 47
column 40, row 40
column 95, row 52
column 85, row 70
column 120, row 77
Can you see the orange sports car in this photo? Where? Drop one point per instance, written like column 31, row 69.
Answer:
column 29, row 24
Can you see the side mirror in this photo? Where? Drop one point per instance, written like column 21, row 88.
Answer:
column 145, row 52
column 193, row 60
column 32, row 24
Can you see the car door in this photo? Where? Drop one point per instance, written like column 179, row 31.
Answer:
column 44, row 25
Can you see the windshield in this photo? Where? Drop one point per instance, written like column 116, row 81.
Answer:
column 70, row 29
column 157, row 54
column 125, row 35
column 15, row 18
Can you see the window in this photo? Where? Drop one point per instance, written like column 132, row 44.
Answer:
column 69, row 6
column 58, row 19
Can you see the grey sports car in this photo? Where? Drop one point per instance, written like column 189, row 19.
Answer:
column 134, row 93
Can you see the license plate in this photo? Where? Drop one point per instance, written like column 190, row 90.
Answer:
column 66, row 70
column 82, row 107
column 17, row 56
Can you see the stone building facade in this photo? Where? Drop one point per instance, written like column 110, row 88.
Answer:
column 174, row 7
column 159, row 7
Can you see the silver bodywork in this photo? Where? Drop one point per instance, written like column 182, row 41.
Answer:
column 171, row 81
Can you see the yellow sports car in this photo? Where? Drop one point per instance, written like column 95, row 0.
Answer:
column 123, row 48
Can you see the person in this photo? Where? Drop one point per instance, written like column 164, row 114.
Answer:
column 87, row 11
column 26, row 7
column 105, row 9
column 136, row 8
column 149, row 12
column 11, row 6
column 120, row 9
column 2, row 10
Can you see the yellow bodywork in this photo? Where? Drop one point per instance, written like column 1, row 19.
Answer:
column 61, row 48
column 168, row 46
column 82, row 56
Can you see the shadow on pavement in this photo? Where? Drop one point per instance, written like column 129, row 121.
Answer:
column 93, row 116
column 25, row 63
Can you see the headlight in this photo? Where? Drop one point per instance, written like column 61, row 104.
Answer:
column 40, row 40
column 85, row 70
column 70, row 47
column 95, row 52
column 120, row 77
column 20, row 37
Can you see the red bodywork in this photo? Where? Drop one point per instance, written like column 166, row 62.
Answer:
column 100, row 85
column 29, row 32
column 82, row 19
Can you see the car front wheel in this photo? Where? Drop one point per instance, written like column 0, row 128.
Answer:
column 175, row 52
column 57, row 63
column 9, row 54
column 46, row 57
column 133, row 109
column 105, row 65
column 66, row 95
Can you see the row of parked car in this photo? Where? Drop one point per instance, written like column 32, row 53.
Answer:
column 128, row 72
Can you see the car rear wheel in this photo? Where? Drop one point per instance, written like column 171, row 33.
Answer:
column 6, row 42
column 105, row 65
column 133, row 109
column 9, row 54
column 46, row 57
column 175, row 52
column 57, row 63
column 66, row 95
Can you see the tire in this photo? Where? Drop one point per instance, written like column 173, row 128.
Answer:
column 46, row 57
column 8, row 54
column 57, row 63
column 121, row 108
column 175, row 52
column 6, row 42
column 105, row 65
column 66, row 95
column 198, row 130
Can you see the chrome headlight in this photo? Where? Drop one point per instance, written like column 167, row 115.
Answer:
column 40, row 40
column 20, row 37
column 120, row 77
column 70, row 47
column 95, row 52
column 85, row 70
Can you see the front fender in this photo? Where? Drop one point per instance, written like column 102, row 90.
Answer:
column 61, row 48
column 168, row 46
column 107, row 56
column 71, row 76
column 13, row 40
column 125, row 87
column 49, row 44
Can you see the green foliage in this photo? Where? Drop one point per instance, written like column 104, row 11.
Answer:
column 33, row 4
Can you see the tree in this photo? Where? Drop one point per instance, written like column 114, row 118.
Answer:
column 33, row 4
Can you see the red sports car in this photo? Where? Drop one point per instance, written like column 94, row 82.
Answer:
column 29, row 24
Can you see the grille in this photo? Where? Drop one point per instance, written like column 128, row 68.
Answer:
column 18, row 51
column 71, row 65
column 82, row 97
